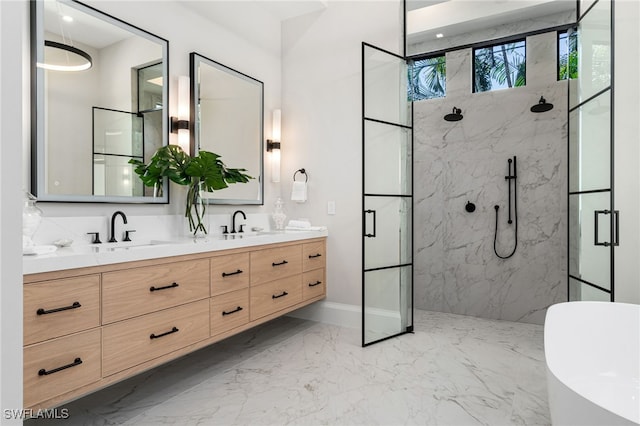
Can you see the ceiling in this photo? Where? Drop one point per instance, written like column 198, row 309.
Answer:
column 454, row 17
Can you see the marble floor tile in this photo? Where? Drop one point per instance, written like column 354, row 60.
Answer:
column 454, row 370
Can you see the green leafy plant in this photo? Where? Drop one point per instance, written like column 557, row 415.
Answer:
column 204, row 172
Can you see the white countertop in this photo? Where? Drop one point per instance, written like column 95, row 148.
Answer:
column 81, row 256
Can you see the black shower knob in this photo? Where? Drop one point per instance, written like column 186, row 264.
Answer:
column 470, row 207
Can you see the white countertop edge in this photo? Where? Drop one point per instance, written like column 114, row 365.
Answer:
column 89, row 255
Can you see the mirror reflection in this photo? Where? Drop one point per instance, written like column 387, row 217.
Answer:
column 90, row 122
column 228, row 117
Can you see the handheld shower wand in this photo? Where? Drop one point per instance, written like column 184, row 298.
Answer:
column 511, row 177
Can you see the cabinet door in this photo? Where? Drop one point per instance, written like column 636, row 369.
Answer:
column 134, row 341
column 275, row 263
column 60, row 365
column 274, row 296
column 136, row 291
column 60, row 307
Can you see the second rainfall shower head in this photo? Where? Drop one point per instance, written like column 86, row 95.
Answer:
column 542, row 106
column 456, row 115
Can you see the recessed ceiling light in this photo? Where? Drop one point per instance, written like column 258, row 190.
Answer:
column 439, row 35
column 67, row 18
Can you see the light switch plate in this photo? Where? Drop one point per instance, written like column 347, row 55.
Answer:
column 331, row 207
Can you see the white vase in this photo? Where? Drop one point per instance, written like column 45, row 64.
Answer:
column 31, row 218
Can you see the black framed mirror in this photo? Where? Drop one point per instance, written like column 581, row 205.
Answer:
column 228, row 117
column 99, row 98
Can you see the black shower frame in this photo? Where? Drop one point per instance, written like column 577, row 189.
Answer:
column 409, row 328
column 613, row 228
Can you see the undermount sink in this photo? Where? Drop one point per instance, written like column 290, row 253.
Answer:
column 249, row 234
column 129, row 245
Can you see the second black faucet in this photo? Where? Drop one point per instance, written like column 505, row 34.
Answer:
column 233, row 221
column 113, row 225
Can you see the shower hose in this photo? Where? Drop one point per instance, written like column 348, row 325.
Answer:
column 515, row 208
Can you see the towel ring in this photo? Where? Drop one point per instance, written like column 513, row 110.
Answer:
column 303, row 171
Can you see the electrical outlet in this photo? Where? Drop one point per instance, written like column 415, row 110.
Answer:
column 331, row 207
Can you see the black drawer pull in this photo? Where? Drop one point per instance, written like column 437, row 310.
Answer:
column 74, row 305
column 44, row 372
column 284, row 262
column 228, row 274
column 313, row 256
column 238, row 309
column 315, row 284
column 174, row 285
column 155, row 336
column 284, row 293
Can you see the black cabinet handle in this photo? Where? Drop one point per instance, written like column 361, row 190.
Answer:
column 42, row 311
column 284, row 293
column 228, row 274
column 43, row 372
column 284, row 262
column 155, row 336
column 315, row 284
column 313, row 256
column 616, row 216
column 174, row 285
column 366, row 234
column 238, row 309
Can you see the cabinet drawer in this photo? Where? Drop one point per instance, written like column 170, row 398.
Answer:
column 274, row 296
column 313, row 256
column 132, row 292
column 229, row 273
column 132, row 342
column 44, row 375
column 60, row 307
column 272, row 264
column 313, row 284
column 229, row 310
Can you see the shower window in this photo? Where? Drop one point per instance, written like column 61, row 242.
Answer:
column 499, row 66
column 567, row 54
column 427, row 77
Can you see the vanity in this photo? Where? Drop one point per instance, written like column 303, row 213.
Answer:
column 102, row 319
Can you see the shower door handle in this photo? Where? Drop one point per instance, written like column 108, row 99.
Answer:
column 616, row 221
column 366, row 234
column 596, row 216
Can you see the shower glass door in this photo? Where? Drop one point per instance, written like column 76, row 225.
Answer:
column 387, row 282
column 593, row 222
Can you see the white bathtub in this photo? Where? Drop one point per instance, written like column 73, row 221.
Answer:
column 592, row 351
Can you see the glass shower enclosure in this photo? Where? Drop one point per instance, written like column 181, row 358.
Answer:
column 593, row 220
column 387, row 132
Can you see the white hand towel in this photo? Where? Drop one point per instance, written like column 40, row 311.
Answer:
column 299, row 192
column 302, row 224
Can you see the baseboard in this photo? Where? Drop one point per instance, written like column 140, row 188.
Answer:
column 380, row 321
column 341, row 314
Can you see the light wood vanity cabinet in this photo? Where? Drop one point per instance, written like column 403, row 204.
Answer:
column 87, row 328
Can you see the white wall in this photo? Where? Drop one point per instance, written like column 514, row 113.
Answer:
column 322, row 123
column 627, row 148
column 14, row 83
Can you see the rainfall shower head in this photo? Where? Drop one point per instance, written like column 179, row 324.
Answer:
column 456, row 115
column 542, row 106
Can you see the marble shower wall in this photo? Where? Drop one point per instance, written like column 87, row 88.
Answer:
column 456, row 270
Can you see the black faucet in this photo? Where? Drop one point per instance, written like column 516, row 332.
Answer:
column 113, row 225
column 233, row 221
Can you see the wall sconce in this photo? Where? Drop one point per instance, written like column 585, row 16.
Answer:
column 273, row 146
column 180, row 124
